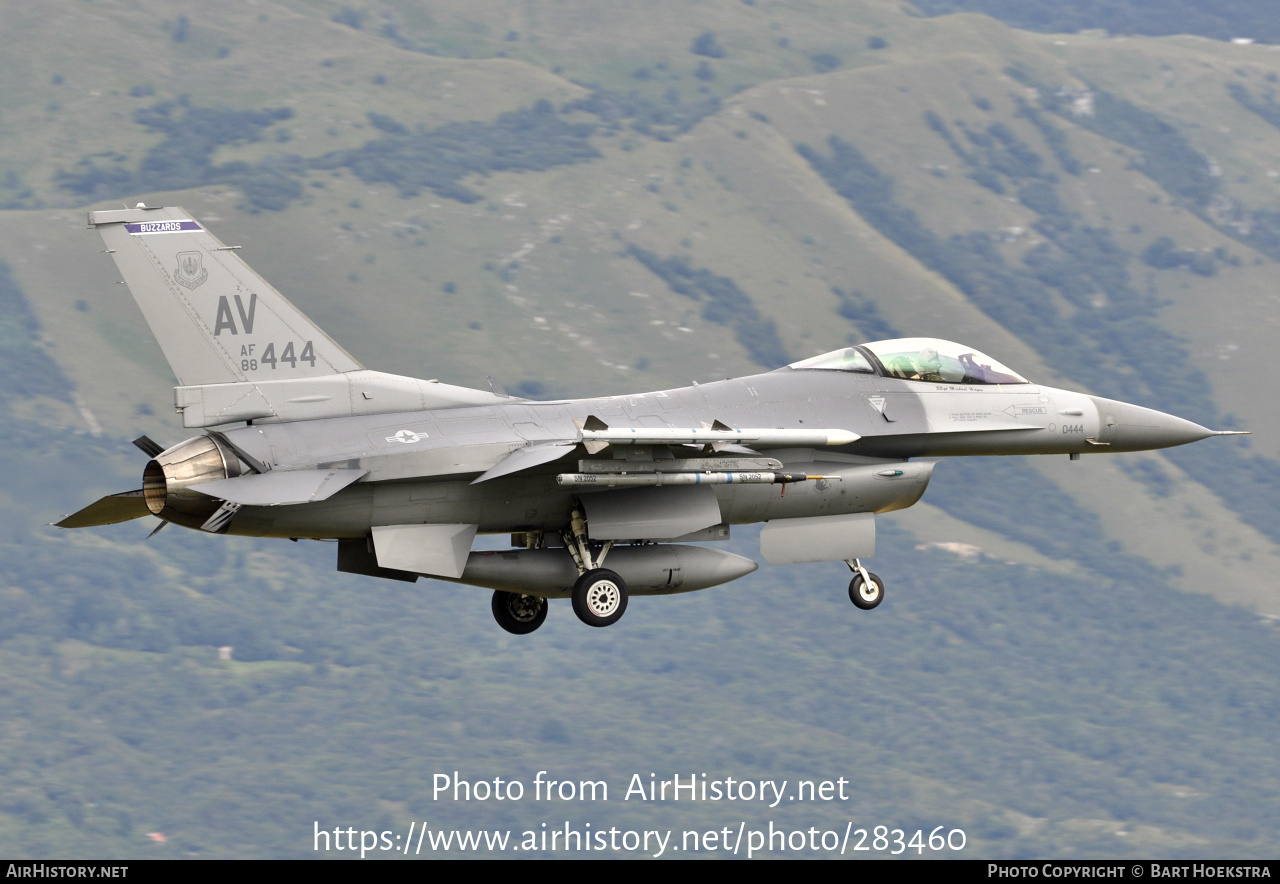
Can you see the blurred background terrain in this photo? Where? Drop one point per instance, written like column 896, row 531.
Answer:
column 1074, row 659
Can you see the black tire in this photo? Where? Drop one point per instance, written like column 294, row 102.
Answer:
column 519, row 614
column 873, row 595
column 600, row 597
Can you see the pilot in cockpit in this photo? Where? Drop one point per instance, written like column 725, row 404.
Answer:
column 928, row 365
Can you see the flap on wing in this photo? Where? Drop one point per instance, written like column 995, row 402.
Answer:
column 111, row 509
column 819, row 539
column 424, row 549
column 651, row 513
column 528, row 457
column 280, row 487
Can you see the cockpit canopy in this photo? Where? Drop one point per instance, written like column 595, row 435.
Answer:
column 916, row 359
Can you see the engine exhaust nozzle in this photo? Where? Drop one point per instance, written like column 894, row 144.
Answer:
column 169, row 473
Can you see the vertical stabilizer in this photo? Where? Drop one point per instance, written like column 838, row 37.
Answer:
column 216, row 320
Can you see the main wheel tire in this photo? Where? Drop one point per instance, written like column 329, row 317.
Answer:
column 599, row 597
column 866, row 597
column 519, row 614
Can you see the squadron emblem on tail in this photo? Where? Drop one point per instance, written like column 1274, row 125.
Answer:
column 191, row 272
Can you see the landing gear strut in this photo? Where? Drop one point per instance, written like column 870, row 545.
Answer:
column 599, row 595
column 519, row 614
column 866, row 590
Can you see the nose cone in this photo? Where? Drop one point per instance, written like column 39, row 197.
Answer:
column 1134, row 428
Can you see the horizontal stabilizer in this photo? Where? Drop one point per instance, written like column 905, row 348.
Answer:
column 148, row 446
column 528, row 457
column 280, row 487
column 114, row 508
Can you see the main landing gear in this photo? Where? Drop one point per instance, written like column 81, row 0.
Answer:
column 600, row 597
column 519, row 614
column 866, row 590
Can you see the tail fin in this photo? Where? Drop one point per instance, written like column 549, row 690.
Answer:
column 240, row 350
column 216, row 320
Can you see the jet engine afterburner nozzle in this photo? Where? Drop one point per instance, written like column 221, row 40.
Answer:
column 167, row 476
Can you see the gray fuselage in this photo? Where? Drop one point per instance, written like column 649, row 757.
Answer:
column 421, row 464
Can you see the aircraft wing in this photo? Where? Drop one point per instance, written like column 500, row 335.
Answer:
column 113, row 508
column 595, row 436
column 528, row 457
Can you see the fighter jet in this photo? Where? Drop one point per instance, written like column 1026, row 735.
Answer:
column 602, row 498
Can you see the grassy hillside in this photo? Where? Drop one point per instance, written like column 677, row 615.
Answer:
column 1221, row 21
column 580, row 204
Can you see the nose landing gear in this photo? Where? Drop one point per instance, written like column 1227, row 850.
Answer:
column 866, row 590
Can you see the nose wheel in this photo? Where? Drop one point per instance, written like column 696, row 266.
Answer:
column 866, row 590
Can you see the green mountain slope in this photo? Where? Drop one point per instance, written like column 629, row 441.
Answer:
column 1221, row 21
column 579, row 204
